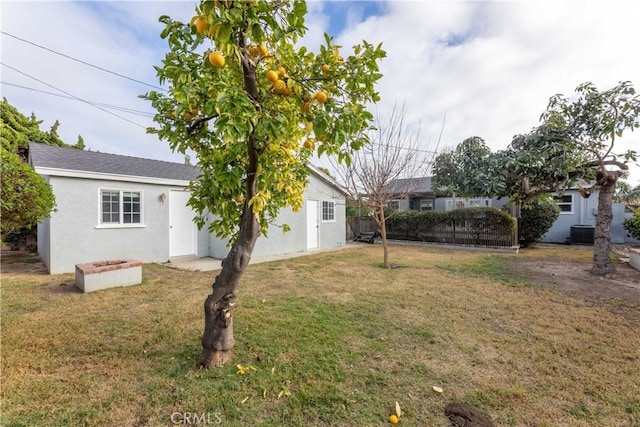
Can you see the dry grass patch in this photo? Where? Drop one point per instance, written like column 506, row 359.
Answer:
column 335, row 336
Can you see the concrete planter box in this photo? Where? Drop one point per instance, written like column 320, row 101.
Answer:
column 94, row 276
column 634, row 258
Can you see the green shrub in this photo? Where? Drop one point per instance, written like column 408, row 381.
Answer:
column 25, row 197
column 536, row 218
column 632, row 225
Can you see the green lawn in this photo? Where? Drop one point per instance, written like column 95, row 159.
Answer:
column 334, row 339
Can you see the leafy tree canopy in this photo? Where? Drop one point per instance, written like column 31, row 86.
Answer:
column 574, row 144
column 264, row 110
column 26, row 198
column 17, row 130
column 468, row 170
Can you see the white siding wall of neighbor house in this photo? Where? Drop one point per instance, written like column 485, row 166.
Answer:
column 76, row 234
column 331, row 232
column 448, row 203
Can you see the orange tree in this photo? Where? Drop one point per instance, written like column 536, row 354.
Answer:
column 255, row 107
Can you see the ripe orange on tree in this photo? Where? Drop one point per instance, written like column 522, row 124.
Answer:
column 189, row 115
column 279, row 86
column 322, row 97
column 201, row 25
column 272, row 76
column 216, row 59
column 325, row 68
column 308, row 144
column 281, row 72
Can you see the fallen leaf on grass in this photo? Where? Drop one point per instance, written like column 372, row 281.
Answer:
column 244, row 369
column 284, row 393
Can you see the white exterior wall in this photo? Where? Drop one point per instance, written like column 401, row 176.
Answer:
column 331, row 234
column 44, row 245
column 584, row 213
column 74, row 235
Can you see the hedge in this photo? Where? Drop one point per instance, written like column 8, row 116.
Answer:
column 476, row 226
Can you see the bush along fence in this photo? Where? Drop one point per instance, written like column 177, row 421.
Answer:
column 469, row 226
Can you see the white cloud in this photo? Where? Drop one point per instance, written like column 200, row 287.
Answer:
column 492, row 66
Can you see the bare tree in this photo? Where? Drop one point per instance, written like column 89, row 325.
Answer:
column 389, row 168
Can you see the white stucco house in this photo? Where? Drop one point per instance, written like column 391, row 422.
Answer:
column 116, row 207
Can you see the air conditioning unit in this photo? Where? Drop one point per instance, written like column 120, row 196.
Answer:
column 582, row 234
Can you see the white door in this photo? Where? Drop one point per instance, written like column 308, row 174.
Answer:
column 182, row 229
column 312, row 224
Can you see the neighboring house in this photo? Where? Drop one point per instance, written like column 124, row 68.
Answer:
column 112, row 207
column 421, row 197
column 575, row 223
column 577, row 220
column 413, row 194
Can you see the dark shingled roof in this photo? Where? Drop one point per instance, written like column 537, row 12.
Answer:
column 417, row 186
column 47, row 156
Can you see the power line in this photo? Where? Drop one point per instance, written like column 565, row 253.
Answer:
column 113, row 107
column 82, row 62
column 73, row 96
column 379, row 144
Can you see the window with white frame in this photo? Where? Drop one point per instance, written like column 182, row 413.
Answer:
column 565, row 203
column 328, row 211
column 426, row 205
column 120, row 207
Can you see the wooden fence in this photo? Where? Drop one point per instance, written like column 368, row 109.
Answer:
column 357, row 226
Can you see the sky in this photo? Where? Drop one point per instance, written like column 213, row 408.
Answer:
column 490, row 67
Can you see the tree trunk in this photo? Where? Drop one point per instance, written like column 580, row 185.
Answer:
column 217, row 339
column 602, row 238
column 383, row 236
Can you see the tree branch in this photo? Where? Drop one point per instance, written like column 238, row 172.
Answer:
column 197, row 125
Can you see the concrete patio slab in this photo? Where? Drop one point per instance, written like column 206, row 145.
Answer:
column 194, row 263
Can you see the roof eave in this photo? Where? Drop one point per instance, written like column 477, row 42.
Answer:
column 69, row 173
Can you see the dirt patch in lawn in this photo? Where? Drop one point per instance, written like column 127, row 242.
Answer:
column 574, row 276
column 21, row 263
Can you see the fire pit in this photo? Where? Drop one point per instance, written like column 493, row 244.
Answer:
column 94, row 276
